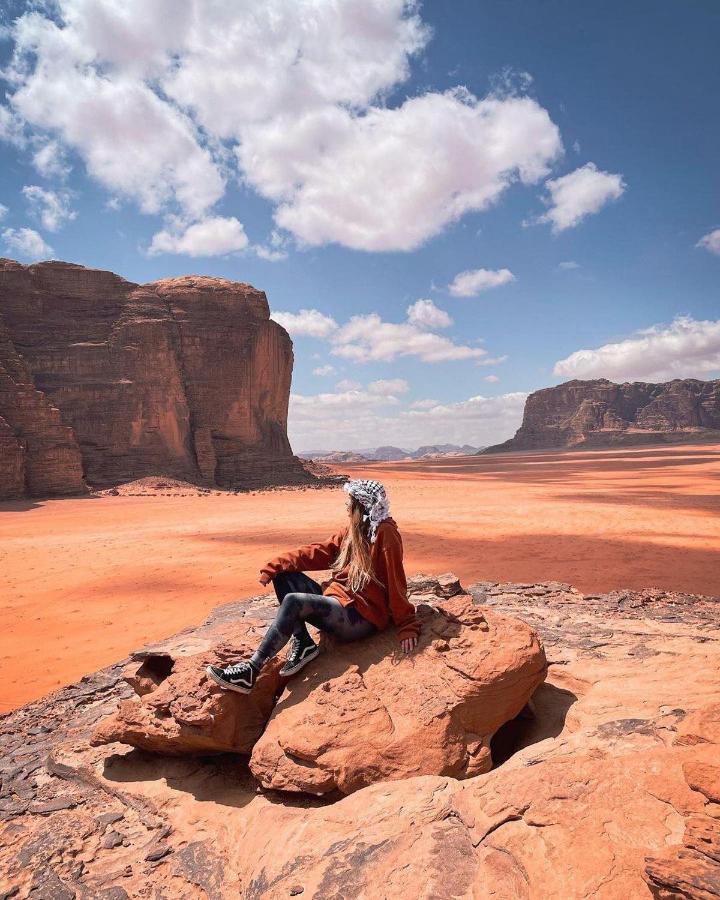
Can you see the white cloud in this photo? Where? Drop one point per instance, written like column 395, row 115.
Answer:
column 389, row 386
column 579, row 194
column 368, row 338
column 425, row 314
column 472, row 282
column 491, row 378
column 687, row 348
column 3, row 210
column 348, row 384
column 444, row 155
column 568, row 266
column 478, row 420
column 51, row 162
column 308, row 323
column 160, row 99
column 51, row 208
column 26, row 243
column 213, row 236
column 324, row 370
column 711, row 241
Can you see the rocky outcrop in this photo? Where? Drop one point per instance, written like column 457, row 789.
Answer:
column 104, row 381
column 358, row 715
column 604, row 786
column 595, row 414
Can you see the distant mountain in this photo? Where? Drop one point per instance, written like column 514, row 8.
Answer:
column 389, row 453
column 599, row 413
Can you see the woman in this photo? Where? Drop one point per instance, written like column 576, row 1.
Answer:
column 367, row 589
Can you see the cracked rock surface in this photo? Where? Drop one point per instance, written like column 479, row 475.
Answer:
column 607, row 784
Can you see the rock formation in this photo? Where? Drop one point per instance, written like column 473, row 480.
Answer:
column 357, row 717
column 103, row 381
column 595, row 414
column 606, row 785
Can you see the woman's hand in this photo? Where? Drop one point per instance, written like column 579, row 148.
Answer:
column 408, row 644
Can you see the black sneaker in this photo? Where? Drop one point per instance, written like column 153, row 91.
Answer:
column 300, row 654
column 240, row 677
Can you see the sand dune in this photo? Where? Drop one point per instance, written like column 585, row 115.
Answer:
column 87, row 580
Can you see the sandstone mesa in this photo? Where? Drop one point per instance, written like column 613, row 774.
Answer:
column 104, row 381
column 587, row 415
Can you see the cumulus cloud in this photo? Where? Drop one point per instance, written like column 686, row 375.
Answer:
column 389, row 386
column 444, row 154
column 579, row 194
column 324, row 370
column 368, row 338
column 473, row 281
column 711, row 241
column 687, row 348
column 213, row 236
column 3, row 210
column 379, row 419
column 491, row 378
column 26, row 244
column 160, row 100
column 425, row 314
column 568, row 266
column 51, row 162
column 51, row 208
column 307, row 322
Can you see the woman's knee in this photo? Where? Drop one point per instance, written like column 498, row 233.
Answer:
column 292, row 599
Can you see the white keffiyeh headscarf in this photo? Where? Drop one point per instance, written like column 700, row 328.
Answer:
column 373, row 498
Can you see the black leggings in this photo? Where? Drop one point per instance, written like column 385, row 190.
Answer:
column 301, row 600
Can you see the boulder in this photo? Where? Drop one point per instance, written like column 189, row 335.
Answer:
column 178, row 710
column 360, row 712
column 366, row 712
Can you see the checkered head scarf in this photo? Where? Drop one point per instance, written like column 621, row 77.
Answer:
column 372, row 496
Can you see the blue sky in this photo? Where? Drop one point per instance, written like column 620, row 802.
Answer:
column 353, row 158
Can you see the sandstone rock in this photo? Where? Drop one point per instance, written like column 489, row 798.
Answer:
column 105, row 380
column 600, row 788
column 359, row 714
column 364, row 714
column 178, row 709
column 599, row 413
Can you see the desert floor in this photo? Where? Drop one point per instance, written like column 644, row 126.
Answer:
column 84, row 581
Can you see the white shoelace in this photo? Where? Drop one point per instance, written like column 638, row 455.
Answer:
column 237, row 669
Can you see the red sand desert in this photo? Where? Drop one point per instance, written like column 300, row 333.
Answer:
column 87, row 580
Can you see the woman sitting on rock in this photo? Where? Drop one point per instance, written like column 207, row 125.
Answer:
column 367, row 589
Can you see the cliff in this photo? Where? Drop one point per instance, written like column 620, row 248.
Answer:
column 103, row 381
column 594, row 414
column 607, row 784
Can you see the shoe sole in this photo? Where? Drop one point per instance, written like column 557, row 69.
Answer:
column 298, row 666
column 225, row 685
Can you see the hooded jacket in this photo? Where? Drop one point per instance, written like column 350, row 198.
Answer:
column 377, row 604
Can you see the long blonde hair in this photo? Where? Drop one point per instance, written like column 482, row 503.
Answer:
column 355, row 550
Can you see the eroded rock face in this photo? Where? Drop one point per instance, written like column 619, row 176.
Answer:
column 607, row 786
column 360, row 713
column 104, row 381
column 177, row 710
column 599, row 413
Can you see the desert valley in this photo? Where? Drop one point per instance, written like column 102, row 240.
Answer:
column 563, row 699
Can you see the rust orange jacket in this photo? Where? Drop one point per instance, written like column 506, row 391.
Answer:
column 375, row 603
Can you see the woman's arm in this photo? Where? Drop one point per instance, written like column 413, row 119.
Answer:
column 401, row 609
column 308, row 558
